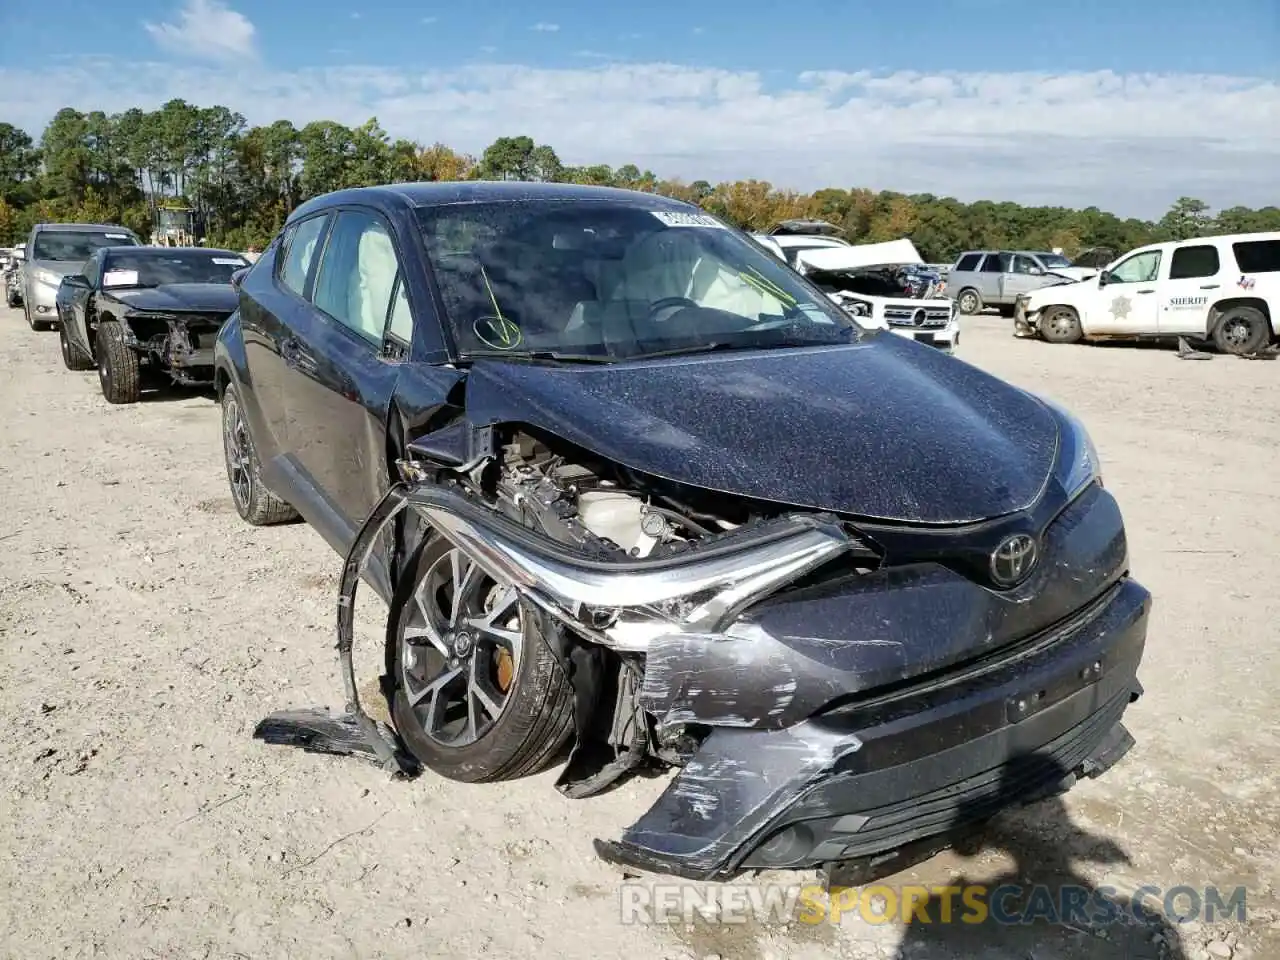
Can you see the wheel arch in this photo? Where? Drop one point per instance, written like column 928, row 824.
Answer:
column 1220, row 307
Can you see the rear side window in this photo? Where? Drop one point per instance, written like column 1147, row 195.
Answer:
column 1191, row 262
column 1258, row 256
column 300, row 248
column 968, row 262
column 997, row 263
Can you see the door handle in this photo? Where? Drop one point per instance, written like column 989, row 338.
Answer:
column 1146, row 291
column 1209, row 286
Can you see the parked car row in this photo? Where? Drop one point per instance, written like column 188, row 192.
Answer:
column 634, row 487
column 146, row 314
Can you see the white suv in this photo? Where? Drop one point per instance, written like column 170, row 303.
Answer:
column 833, row 264
column 1224, row 289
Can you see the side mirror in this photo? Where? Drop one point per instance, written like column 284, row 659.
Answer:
column 1036, row 272
column 237, row 278
column 1104, row 278
column 76, row 280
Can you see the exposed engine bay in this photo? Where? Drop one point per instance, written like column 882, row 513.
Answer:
column 896, row 282
column 593, row 509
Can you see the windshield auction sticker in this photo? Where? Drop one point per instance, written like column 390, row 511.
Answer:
column 688, row 219
column 498, row 332
column 120, row 278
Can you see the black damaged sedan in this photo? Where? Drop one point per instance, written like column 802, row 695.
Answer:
column 633, row 487
column 146, row 315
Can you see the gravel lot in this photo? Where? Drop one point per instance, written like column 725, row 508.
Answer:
column 144, row 630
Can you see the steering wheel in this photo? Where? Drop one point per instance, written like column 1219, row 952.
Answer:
column 668, row 305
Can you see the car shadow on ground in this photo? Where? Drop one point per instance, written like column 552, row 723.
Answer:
column 171, row 392
column 1043, row 907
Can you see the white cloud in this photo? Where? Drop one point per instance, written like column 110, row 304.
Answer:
column 545, row 27
column 1130, row 143
column 206, row 29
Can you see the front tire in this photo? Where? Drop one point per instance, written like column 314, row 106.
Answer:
column 253, row 501
column 476, row 692
column 969, row 301
column 119, row 371
column 1242, row 331
column 72, row 358
column 1060, row 325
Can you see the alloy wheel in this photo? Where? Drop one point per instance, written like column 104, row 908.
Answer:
column 460, row 650
column 1237, row 332
column 236, row 449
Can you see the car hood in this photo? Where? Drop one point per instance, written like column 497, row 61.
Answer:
column 1074, row 273
column 59, row 268
column 180, row 297
column 1064, row 292
column 885, row 429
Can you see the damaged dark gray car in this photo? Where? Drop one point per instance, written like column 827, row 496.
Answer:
column 634, row 488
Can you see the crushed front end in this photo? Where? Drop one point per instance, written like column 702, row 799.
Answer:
column 854, row 720
column 178, row 343
column 835, row 691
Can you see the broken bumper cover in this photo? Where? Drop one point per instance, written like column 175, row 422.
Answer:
column 1026, row 322
column 843, row 721
column 872, row 778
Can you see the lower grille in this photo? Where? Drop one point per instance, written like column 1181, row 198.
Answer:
column 966, row 801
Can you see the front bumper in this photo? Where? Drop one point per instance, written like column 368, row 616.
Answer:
column 848, row 720
column 42, row 300
column 944, row 338
column 868, row 781
column 853, row 720
column 1026, row 322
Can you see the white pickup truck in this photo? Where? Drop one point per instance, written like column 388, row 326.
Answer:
column 1220, row 289
column 851, row 272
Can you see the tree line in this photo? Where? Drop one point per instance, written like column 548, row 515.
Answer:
column 242, row 181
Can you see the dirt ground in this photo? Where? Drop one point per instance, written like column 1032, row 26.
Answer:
column 144, row 630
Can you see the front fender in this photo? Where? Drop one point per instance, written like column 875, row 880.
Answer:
column 229, row 362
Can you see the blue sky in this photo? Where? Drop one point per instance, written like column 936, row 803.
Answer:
column 1126, row 104
column 1185, row 36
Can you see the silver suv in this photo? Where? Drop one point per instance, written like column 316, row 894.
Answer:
column 995, row 278
column 55, row 250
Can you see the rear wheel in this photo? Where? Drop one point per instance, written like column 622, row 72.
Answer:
column 119, row 371
column 969, row 301
column 1060, row 325
column 476, row 692
column 72, row 358
column 254, row 502
column 1241, row 331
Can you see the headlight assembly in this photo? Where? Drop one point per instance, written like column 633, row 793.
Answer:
column 1078, row 463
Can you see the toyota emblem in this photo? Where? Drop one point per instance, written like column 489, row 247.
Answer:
column 918, row 319
column 1013, row 561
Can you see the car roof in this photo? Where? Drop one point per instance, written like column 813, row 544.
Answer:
column 83, row 227
column 440, row 193
column 169, row 251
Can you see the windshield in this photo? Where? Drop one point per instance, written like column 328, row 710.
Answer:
column 151, row 270
column 610, row 280
column 1053, row 261
column 76, row 246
